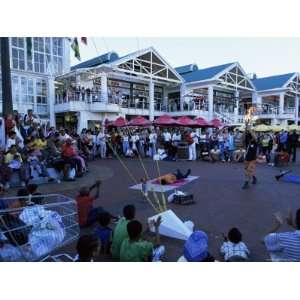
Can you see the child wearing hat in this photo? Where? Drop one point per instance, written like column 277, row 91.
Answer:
column 196, row 248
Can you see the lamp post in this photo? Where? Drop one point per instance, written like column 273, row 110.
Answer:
column 7, row 105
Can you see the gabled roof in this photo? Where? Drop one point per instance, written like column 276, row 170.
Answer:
column 108, row 57
column 205, row 74
column 186, row 69
column 272, row 82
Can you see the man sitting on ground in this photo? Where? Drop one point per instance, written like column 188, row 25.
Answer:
column 284, row 246
column 215, row 154
column 171, row 177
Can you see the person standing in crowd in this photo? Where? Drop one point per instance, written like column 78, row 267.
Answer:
column 101, row 143
column 293, row 140
column 229, row 147
column 189, row 137
column 265, row 146
column 221, row 143
column 176, row 138
column 250, row 158
column 125, row 143
column 134, row 143
column 283, row 139
column 152, row 143
column 167, row 138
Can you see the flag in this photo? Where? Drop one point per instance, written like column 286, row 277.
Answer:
column 29, row 46
column 75, row 47
column 84, row 40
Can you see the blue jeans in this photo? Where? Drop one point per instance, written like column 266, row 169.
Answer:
column 125, row 147
column 221, row 147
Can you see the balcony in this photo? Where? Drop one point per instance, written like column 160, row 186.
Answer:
column 80, row 102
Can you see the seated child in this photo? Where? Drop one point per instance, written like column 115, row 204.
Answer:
column 233, row 249
column 104, row 232
column 87, row 248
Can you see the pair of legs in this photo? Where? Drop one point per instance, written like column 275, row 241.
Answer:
column 292, row 152
column 180, row 175
column 250, row 167
column 192, row 152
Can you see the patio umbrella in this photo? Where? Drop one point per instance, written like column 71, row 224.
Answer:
column 186, row 122
column 139, row 121
column 216, row 123
column 165, row 120
column 119, row 122
column 201, row 122
column 294, row 127
column 277, row 128
column 262, row 128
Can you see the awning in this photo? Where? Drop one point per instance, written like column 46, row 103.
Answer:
column 201, row 122
column 216, row 123
column 185, row 121
column 120, row 122
column 165, row 120
column 139, row 122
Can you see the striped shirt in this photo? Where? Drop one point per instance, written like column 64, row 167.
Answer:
column 229, row 249
column 285, row 245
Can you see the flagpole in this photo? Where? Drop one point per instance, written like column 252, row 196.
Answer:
column 7, row 103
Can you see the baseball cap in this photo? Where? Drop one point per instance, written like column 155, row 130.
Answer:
column 196, row 246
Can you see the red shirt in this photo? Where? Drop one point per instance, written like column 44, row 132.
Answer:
column 68, row 151
column 84, row 206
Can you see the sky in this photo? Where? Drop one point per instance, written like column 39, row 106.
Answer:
column 263, row 56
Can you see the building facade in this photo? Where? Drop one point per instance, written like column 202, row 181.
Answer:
column 144, row 83
column 35, row 62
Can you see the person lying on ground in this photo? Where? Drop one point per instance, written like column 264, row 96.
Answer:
column 284, row 246
column 120, row 232
column 136, row 249
column 233, row 249
column 196, row 248
column 88, row 247
column 172, row 177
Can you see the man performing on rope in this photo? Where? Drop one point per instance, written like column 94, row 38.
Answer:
column 172, row 177
column 250, row 157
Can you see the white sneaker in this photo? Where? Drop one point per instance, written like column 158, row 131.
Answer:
column 6, row 186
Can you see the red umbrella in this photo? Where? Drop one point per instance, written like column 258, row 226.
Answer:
column 201, row 122
column 185, row 121
column 119, row 122
column 139, row 121
column 165, row 120
column 216, row 123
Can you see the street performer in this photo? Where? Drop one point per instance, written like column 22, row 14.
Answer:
column 250, row 141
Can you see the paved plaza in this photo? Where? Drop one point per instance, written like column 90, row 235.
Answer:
column 220, row 201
